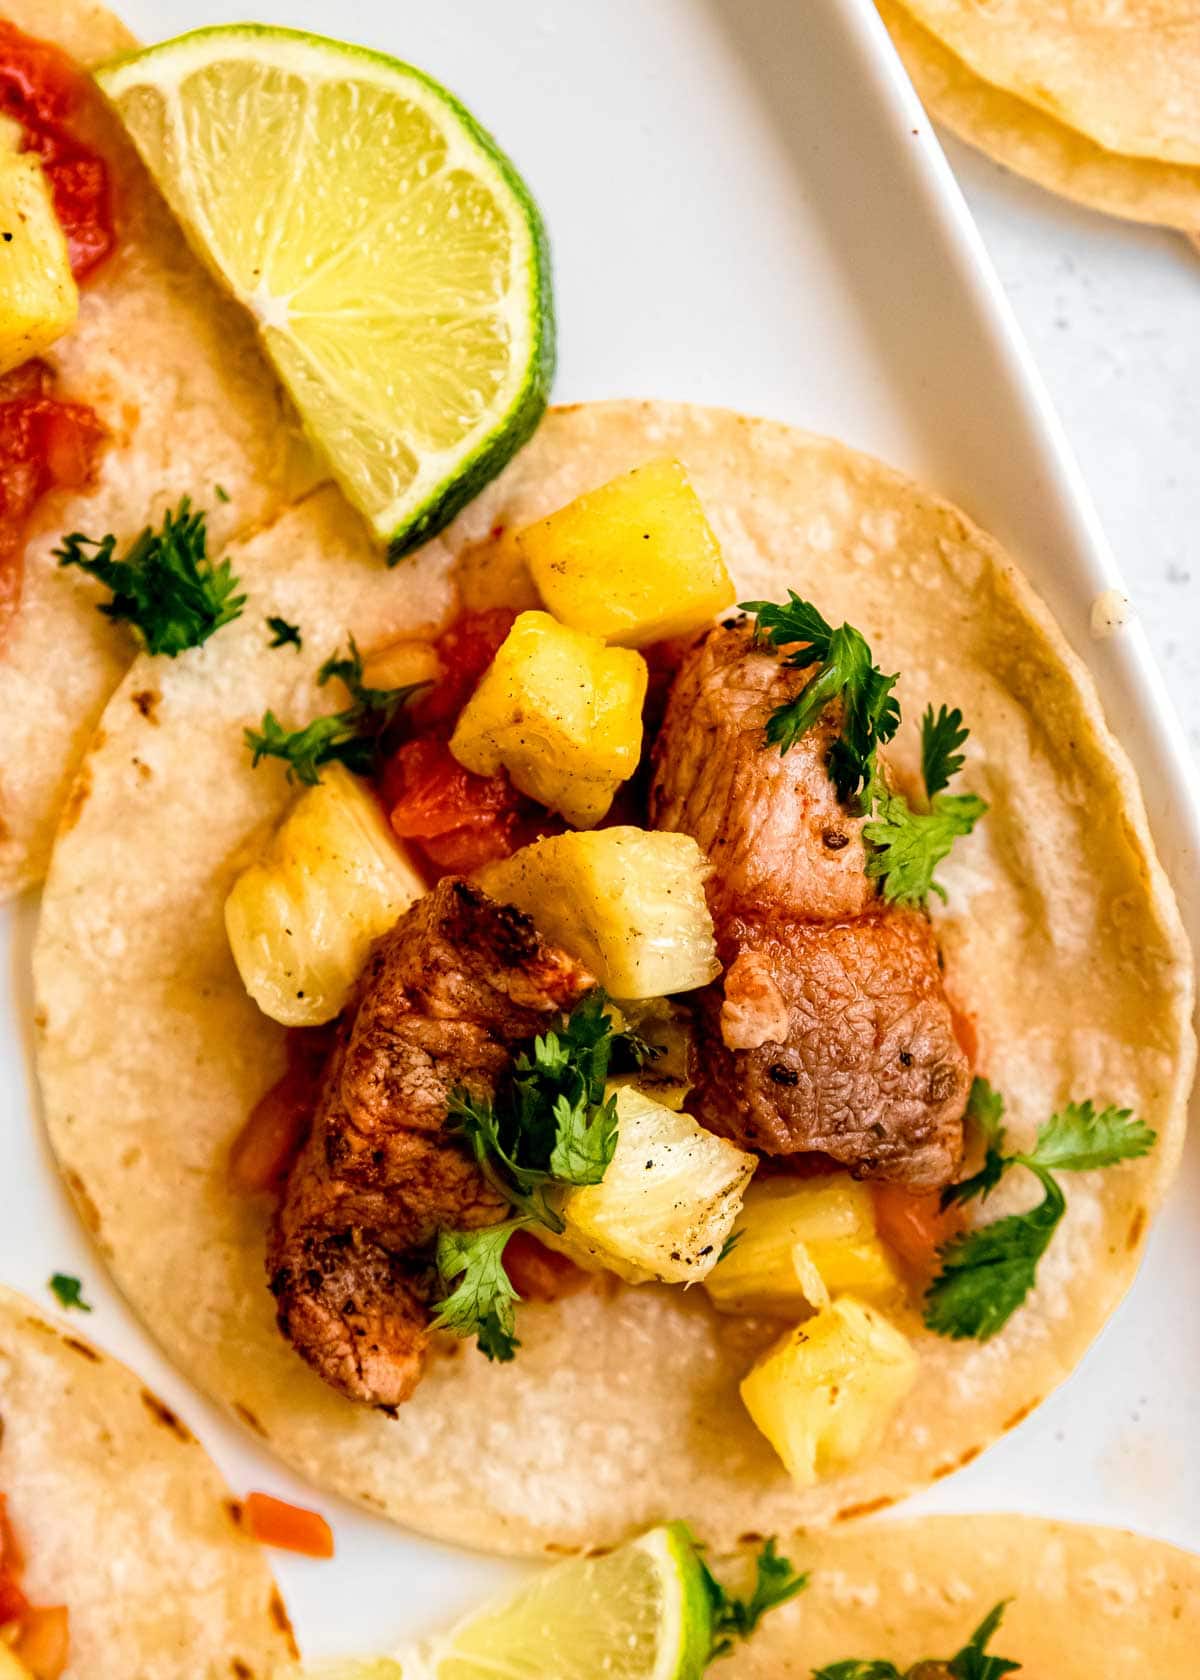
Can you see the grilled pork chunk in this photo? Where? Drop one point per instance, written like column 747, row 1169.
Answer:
column 830, row 1030
column 444, row 997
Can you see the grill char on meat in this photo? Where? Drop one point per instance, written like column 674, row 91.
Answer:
column 443, row 999
column 830, row 1030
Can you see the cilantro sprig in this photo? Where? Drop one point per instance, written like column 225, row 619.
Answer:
column 284, row 633
column 987, row 1273
column 68, row 1291
column 733, row 1618
column 906, row 845
column 550, row 1127
column 164, row 586
column 845, row 673
column 972, row 1662
column 352, row 737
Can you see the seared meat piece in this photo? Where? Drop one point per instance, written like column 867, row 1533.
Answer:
column 445, row 995
column 830, row 1030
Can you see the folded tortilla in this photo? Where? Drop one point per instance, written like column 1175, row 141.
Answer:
column 1061, row 937
column 1084, row 1601
column 175, row 374
column 123, row 1518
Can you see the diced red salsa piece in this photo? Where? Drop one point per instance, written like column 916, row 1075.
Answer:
column 45, row 444
column 44, row 90
column 292, row 1528
column 264, row 1150
column 538, row 1273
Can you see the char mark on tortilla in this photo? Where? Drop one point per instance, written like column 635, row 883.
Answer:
column 830, row 1030
column 444, row 997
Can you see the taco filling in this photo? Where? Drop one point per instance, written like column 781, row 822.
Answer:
column 34, row 1641
column 619, row 945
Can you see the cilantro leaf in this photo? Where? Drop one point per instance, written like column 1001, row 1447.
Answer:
column 775, row 1582
column 971, row 1663
column 352, row 737
column 585, row 1140
column 908, row 845
column 282, row 632
column 941, row 737
column 69, row 1291
column 986, row 1273
column 548, row 1127
column 482, row 1305
column 1078, row 1138
column 846, row 673
column 728, row 1246
column 165, row 585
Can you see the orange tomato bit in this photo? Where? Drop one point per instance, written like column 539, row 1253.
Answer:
column 273, row 1522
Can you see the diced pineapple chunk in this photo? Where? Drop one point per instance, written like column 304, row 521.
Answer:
column 628, row 903
column 406, row 664
column 38, row 296
column 667, row 1029
column 799, row 1243
column 302, row 920
column 635, row 561
column 666, row 1203
column 561, row 713
column 824, row 1393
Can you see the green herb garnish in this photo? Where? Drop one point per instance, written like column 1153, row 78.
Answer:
column 846, row 673
column 971, row 1663
column 352, row 737
column 775, row 1582
column 165, row 585
column 987, row 1273
column 283, row 633
column 549, row 1127
column 69, row 1291
column 907, row 845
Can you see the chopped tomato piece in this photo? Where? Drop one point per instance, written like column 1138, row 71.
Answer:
column 966, row 1034
column 45, row 444
column 44, row 1641
column 44, row 91
column 262, row 1154
column 461, row 821
column 273, row 1522
column 464, row 651
column 13, row 1603
column 538, row 1273
column 913, row 1224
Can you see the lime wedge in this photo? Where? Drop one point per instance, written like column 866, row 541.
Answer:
column 641, row 1613
column 391, row 254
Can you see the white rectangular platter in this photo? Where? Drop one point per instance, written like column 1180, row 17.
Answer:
column 746, row 206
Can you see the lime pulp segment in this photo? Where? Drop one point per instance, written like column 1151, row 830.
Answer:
column 393, row 259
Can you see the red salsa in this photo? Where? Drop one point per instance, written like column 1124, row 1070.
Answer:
column 45, row 92
column 45, row 444
column 458, row 821
column 39, row 1637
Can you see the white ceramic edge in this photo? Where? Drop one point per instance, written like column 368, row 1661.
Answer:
column 1137, row 704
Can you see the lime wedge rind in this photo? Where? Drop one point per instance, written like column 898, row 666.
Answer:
column 442, row 480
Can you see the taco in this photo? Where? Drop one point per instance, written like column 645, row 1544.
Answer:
column 155, row 392
column 458, row 1104
column 121, row 1551
column 940, row 1598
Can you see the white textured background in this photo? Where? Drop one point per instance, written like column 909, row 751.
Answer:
column 1112, row 313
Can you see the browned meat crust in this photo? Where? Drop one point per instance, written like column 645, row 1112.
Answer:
column 830, row 1030
column 445, row 995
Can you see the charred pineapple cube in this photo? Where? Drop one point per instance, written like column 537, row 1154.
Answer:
column 561, row 713
column 301, row 920
column 666, row 1203
column 633, row 562
column 38, row 296
column 628, row 903
column 800, row 1242
column 824, row 1393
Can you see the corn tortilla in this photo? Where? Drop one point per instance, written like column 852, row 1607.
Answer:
column 621, row 1407
column 174, row 372
column 1034, row 143
column 1084, row 1601
column 122, row 1517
